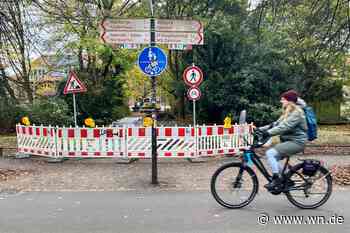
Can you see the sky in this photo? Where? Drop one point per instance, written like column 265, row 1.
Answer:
column 254, row 3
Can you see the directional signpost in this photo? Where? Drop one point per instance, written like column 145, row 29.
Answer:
column 73, row 86
column 177, row 34
column 179, row 38
column 126, row 25
column 179, row 25
column 125, row 31
column 115, row 37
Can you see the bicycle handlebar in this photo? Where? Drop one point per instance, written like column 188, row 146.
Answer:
column 258, row 139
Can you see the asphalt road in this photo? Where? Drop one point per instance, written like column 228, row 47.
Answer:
column 154, row 211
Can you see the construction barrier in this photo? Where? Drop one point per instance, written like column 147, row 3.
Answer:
column 132, row 142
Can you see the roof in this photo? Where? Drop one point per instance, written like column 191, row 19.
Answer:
column 53, row 76
column 54, row 61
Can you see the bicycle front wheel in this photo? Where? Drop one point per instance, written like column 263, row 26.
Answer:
column 234, row 185
column 309, row 192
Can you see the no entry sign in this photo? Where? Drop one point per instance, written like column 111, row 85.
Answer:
column 193, row 76
column 194, row 93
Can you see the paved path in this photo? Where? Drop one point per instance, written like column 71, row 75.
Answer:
column 105, row 175
column 156, row 211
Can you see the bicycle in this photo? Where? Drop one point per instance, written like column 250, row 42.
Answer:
column 234, row 177
column 152, row 69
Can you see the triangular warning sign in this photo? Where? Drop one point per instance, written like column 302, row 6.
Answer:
column 73, row 85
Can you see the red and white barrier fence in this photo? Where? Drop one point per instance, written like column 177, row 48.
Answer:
column 37, row 140
column 132, row 142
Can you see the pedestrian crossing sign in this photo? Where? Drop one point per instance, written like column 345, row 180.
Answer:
column 73, row 85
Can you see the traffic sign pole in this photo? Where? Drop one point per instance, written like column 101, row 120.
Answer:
column 194, row 125
column 194, row 94
column 73, row 86
column 75, row 110
column 154, row 103
column 194, row 113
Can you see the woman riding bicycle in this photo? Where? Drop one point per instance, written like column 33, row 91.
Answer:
column 292, row 128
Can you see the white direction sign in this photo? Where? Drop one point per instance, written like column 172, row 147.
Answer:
column 193, row 76
column 123, row 37
column 194, row 93
column 126, row 25
column 179, row 32
column 169, row 25
column 126, row 31
column 195, row 38
column 138, row 31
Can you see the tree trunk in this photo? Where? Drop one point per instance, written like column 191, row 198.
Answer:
column 4, row 84
column 80, row 57
column 182, row 94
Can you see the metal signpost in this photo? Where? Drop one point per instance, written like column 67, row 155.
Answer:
column 153, row 61
column 177, row 34
column 154, row 103
column 157, row 61
column 193, row 77
column 74, row 85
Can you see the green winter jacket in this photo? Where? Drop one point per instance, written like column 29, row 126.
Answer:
column 292, row 129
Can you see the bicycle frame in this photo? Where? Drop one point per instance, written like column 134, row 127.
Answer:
column 259, row 164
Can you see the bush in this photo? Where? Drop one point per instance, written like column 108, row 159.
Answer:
column 262, row 114
column 10, row 115
column 53, row 111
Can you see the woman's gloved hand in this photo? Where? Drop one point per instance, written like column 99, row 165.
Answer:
column 262, row 133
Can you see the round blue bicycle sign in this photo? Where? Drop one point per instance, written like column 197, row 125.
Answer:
column 152, row 61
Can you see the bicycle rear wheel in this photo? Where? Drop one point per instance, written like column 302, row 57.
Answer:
column 309, row 192
column 234, row 185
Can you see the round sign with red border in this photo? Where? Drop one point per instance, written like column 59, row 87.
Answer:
column 194, row 93
column 193, row 76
